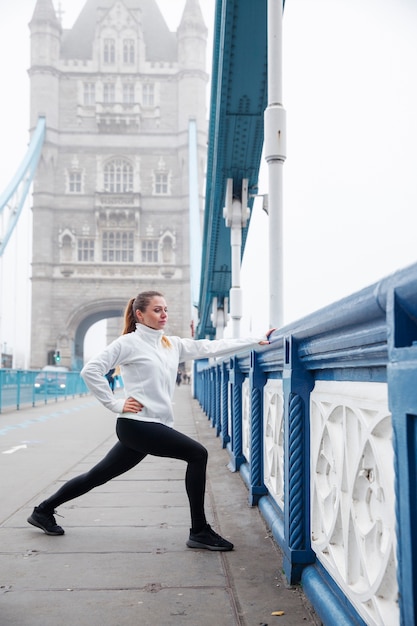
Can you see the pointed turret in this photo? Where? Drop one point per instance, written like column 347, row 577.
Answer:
column 45, row 43
column 45, row 31
column 192, row 14
column 44, row 12
column 192, row 37
column 193, row 78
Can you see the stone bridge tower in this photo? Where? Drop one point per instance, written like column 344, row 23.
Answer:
column 110, row 202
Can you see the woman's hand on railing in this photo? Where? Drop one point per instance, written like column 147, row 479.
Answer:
column 268, row 334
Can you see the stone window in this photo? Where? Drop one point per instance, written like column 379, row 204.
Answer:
column 109, row 93
column 86, row 250
column 128, row 51
column 118, row 176
column 89, row 94
column 150, row 251
column 109, row 51
column 117, row 247
column 75, row 181
column 128, row 93
column 148, row 95
column 161, row 183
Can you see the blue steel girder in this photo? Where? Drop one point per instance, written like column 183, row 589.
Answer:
column 238, row 101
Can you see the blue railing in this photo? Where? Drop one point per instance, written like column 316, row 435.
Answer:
column 20, row 388
column 322, row 425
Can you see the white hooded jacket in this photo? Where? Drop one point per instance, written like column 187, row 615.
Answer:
column 149, row 369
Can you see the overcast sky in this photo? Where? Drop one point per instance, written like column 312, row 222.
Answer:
column 350, row 178
column 350, row 190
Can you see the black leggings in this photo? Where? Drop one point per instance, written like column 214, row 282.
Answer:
column 136, row 440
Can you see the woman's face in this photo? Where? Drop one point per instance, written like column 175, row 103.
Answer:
column 155, row 315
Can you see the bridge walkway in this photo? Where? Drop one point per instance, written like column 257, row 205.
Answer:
column 123, row 559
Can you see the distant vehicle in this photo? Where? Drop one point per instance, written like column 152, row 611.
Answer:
column 52, row 379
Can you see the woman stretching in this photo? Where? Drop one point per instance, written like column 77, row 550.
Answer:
column 148, row 361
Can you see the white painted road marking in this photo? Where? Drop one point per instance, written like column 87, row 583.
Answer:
column 15, row 449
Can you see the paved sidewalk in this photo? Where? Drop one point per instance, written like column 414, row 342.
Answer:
column 123, row 559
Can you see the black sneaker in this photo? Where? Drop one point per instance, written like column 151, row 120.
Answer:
column 208, row 540
column 45, row 521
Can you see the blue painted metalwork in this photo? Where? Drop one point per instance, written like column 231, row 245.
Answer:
column 257, row 382
column 298, row 384
column 328, row 600
column 224, row 422
column 402, row 381
column 17, row 388
column 15, row 194
column 235, row 446
column 238, row 101
column 370, row 336
column 217, row 421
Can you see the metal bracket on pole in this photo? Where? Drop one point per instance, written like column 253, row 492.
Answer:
column 219, row 315
column 236, row 214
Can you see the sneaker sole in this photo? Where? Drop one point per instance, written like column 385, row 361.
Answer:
column 47, row 532
column 196, row 544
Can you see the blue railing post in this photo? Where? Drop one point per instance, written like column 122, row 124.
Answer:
column 235, row 446
column 297, row 385
column 213, row 396
column 205, row 391
column 224, row 391
column 217, row 414
column 18, row 388
column 257, row 380
column 210, row 395
column 198, row 382
column 1, row 389
column 402, row 398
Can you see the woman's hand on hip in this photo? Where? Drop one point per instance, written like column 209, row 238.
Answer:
column 132, row 406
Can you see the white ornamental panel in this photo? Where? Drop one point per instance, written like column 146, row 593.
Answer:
column 246, row 437
column 274, row 440
column 352, row 495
